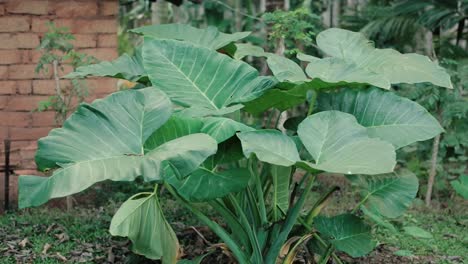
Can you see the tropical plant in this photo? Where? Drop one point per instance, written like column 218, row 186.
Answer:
column 182, row 128
column 56, row 50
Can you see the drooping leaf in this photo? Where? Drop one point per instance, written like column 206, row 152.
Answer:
column 141, row 219
column 104, row 141
column 355, row 60
column 177, row 126
column 378, row 219
column 417, row 232
column 461, row 186
column 339, row 144
column 270, row 146
column 282, row 68
column 204, row 185
column 208, row 37
column 386, row 115
column 348, row 233
column 124, row 67
column 281, row 176
column 198, row 77
column 222, row 128
column 247, row 49
column 389, row 194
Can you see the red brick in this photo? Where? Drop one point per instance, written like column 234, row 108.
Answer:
column 104, row 54
column 2, row 10
column 47, row 87
column 24, row 87
column 109, row 8
column 3, row 72
column 107, row 40
column 14, row 23
column 7, row 41
column 43, row 119
column 32, row 133
column 102, row 85
column 20, row 40
column 84, row 41
column 36, row 7
column 26, row 71
column 15, row 119
column 74, row 9
column 95, row 26
column 25, row 103
column 10, row 56
column 7, row 87
column 3, row 134
column 40, row 24
column 27, row 40
column 3, row 101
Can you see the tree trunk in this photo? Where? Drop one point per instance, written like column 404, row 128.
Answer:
column 433, row 169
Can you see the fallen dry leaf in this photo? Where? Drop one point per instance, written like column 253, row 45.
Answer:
column 47, row 246
column 59, row 256
column 23, row 242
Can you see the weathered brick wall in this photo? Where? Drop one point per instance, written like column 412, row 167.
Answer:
column 22, row 24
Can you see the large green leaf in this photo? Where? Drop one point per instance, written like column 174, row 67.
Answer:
column 177, row 126
column 339, row 144
column 461, row 186
column 208, row 37
column 354, row 59
column 282, row 68
column 348, row 233
column 141, row 219
column 198, row 77
column 204, row 185
column 287, row 95
column 221, row 128
column 270, row 146
column 104, row 141
column 124, row 67
column 386, row 115
column 281, row 177
column 388, row 194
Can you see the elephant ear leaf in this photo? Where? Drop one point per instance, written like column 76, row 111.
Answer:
column 198, row 77
column 354, row 59
column 208, row 37
column 385, row 115
column 124, row 67
column 347, row 232
column 270, row 146
column 339, row 144
column 387, row 194
column 141, row 219
column 104, row 141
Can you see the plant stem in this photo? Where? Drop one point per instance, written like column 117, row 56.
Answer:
column 258, row 188
column 217, row 229
column 319, row 205
column 289, row 223
column 360, row 203
column 433, row 171
column 312, row 102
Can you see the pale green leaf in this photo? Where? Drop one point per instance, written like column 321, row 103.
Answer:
column 198, row 77
column 104, row 141
column 270, row 146
column 247, row 49
column 461, row 186
column 386, row 115
column 354, row 59
column 221, row 128
column 141, row 219
column 124, row 67
column 280, row 201
column 204, row 185
column 339, row 144
column 417, row 232
column 348, row 233
column 389, row 194
column 208, row 37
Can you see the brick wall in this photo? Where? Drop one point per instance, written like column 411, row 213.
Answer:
column 22, row 24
